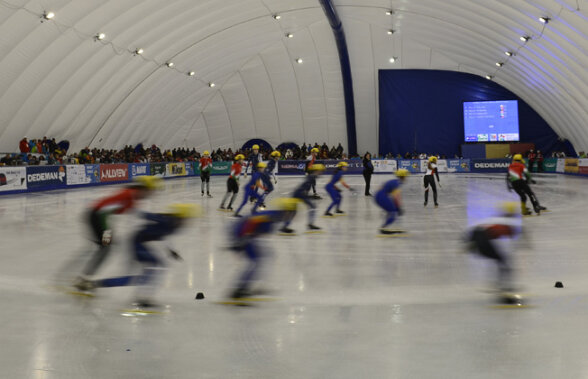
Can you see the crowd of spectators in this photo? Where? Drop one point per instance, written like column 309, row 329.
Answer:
column 47, row 151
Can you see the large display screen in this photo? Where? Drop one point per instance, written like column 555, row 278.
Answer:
column 491, row 121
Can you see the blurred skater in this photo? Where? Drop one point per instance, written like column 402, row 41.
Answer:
column 429, row 180
column 251, row 187
column 253, row 159
column 311, row 162
column 245, row 235
column 271, row 165
column 205, row 169
column 388, row 198
column 518, row 178
column 158, row 227
column 490, row 238
column 302, row 193
column 99, row 215
column 233, row 182
column 334, row 191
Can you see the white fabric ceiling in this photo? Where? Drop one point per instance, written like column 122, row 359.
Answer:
column 57, row 81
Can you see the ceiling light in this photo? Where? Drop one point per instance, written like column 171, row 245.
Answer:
column 191, row 73
column 393, row 59
column 544, row 20
column 211, row 84
column 100, row 36
column 277, row 16
column 525, row 38
column 389, row 12
column 508, row 53
column 499, row 64
column 139, row 51
column 48, row 15
column 170, row 64
column 390, row 32
column 289, row 35
column 298, row 60
column 489, row 77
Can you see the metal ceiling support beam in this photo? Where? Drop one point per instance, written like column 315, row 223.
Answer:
column 337, row 27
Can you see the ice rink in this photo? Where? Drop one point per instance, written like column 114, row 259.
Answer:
column 348, row 303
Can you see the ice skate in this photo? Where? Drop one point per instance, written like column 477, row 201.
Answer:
column 340, row 212
column 208, row 194
column 285, row 231
column 328, row 214
column 312, row 227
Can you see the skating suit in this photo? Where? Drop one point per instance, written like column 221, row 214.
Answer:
column 382, row 197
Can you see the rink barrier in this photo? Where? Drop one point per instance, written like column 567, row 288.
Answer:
column 24, row 179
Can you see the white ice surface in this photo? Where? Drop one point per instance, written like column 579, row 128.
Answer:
column 351, row 305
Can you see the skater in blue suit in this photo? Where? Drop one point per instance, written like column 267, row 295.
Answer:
column 391, row 204
column 251, row 187
column 334, row 191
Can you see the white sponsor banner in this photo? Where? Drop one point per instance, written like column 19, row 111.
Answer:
column 385, row 165
column 424, row 164
column 13, row 178
column 76, row 174
column 583, row 162
column 561, row 165
column 442, row 165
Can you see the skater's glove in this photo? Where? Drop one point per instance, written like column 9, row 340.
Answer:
column 106, row 237
column 175, row 255
column 400, row 211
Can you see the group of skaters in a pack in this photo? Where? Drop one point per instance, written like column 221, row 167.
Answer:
column 482, row 238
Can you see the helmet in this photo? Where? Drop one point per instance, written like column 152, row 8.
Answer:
column 317, row 167
column 261, row 165
column 517, row 157
column 185, row 210
column 255, row 147
column 509, row 207
column 314, row 150
column 402, row 173
column 239, row 157
column 148, row 182
column 342, row 164
column 285, row 204
column 276, row 153
column 433, row 159
column 206, row 152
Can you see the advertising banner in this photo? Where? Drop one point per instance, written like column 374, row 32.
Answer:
column 13, row 179
column 114, row 172
column 158, row 169
column 583, row 166
column 190, row 168
column 175, row 169
column 221, row 168
column 290, row 167
column 385, row 165
column 550, row 164
column 442, row 165
column 490, row 165
column 82, row 174
column 458, row 165
column 561, row 165
column 571, row 165
column 138, row 169
column 46, row 177
column 412, row 165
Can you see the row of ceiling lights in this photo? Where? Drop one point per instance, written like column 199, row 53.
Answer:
column 390, row 32
column 524, row 39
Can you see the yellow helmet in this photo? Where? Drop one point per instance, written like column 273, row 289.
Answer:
column 402, row 173
column 433, row 159
column 285, row 203
column 185, row 210
column 255, row 147
column 261, row 165
column 317, row 167
column 149, row 182
column 276, row 153
column 517, row 157
column 509, row 207
column 239, row 157
column 206, row 152
column 314, row 150
column 342, row 164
